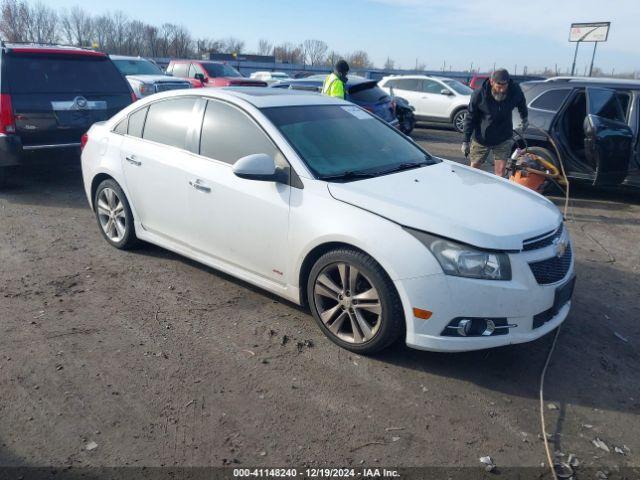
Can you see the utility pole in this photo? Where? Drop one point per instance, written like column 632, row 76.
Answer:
column 471, row 69
column 515, row 69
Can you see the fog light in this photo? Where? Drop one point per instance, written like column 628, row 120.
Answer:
column 477, row 327
column 464, row 327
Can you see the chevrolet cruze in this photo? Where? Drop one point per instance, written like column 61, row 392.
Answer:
column 320, row 202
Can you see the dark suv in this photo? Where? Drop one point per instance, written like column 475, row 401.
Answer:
column 50, row 96
column 593, row 121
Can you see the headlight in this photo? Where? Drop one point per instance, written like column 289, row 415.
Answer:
column 463, row 260
column 140, row 88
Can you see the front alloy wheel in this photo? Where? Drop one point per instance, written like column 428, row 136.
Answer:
column 354, row 302
column 458, row 120
column 348, row 303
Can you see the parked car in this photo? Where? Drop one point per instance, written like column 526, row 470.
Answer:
column 593, row 122
column 50, row 95
column 360, row 91
column 145, row 77
column 206, row 73
column 320, row 202
column 435, row 99
column 270, row 77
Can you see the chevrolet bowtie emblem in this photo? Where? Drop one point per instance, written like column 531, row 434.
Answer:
column 561, row 247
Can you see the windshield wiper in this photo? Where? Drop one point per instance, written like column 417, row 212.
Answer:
column 348, row 175
column 404, row 166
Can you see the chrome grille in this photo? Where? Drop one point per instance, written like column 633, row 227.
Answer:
column 543, row 240
column 165, row 86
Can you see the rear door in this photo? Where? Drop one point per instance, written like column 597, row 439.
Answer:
column 608, row 139
column 154, row 159
column 57, row 97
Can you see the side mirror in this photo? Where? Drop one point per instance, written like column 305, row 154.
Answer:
column 259, row 166
column 200, row 76
column 446, row 91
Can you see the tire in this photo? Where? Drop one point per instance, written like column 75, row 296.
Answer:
column 5, row 176
column 407, row 122
column 365, row 322
column 114, row 216
column 551, row 188
column 458, row 120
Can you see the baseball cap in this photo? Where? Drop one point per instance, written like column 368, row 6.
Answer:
column 500, row 75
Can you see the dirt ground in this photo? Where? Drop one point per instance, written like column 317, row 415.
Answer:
column 161, row 361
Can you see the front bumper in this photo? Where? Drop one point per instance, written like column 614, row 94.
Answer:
column 447, row 297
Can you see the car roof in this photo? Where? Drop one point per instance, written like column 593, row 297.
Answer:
column 50, row 48
column 126, row 57
column 583, row 81
column 410, row 77
column 351, row 80
column 259, row 97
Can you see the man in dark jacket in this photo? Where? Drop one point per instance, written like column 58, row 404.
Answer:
column 488, row 126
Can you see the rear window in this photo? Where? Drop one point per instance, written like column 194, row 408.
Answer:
column 551, row 100
column 367, row 92
column 220, row 70
column 63, row 74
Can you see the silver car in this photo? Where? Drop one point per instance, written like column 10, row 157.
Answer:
column 145, row 77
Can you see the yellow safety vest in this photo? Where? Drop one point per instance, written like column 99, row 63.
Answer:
column 333, row 86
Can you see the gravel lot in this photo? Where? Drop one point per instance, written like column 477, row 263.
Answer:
column 161, row 361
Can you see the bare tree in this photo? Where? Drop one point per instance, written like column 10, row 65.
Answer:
column 14, row 22
column 289, row 53
column 389, row 64
column 182, row 42
column 207, row 45
column 44, row 24
column 315, row 51
column 232, row 45
column 265, row 47
column 331, row 58
column 77, row 26
column 359, row 59
column 102, row 30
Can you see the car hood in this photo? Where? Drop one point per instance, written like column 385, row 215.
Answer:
column 456, row 202
column 156, row 78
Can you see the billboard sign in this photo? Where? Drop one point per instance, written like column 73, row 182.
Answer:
column 589, row 32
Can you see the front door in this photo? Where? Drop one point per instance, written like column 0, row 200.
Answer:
column 608, row 140
column 437, row 104
column 244, row 223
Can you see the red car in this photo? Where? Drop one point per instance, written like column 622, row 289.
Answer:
column 476, row 81
column 204, row 73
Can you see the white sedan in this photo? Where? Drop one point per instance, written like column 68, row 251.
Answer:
column 322, row 203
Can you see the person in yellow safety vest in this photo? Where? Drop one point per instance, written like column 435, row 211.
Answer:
column 335, row 83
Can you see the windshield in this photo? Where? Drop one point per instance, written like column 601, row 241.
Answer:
column 279, row 75
column 220, row 70
column 137, row 67
column 344, row 139
column 458, row 87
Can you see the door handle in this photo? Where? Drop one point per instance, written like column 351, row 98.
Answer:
column 197, row 184
column 132, row 160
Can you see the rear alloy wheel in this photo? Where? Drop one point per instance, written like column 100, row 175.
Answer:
column 354, row 302
column 458, row 120
column 114, row 215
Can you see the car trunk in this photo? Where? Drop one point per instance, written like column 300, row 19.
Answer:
column 57, row 97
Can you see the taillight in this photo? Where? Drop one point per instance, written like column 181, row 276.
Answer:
column 369, row 109
column 134, row 98
column 83, row 140
column 7, row 120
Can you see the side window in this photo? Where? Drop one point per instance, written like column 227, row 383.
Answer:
column 180, row 70
column 391, row 83
column 411, row 84
column 429, row 86
column 624, row 103
column 551, row 100
column 168, row 121
column 228, row 134
column 605, row 103
column 136, row 122
column 121, row 127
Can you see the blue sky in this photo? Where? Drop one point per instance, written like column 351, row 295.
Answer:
column 457, row 32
